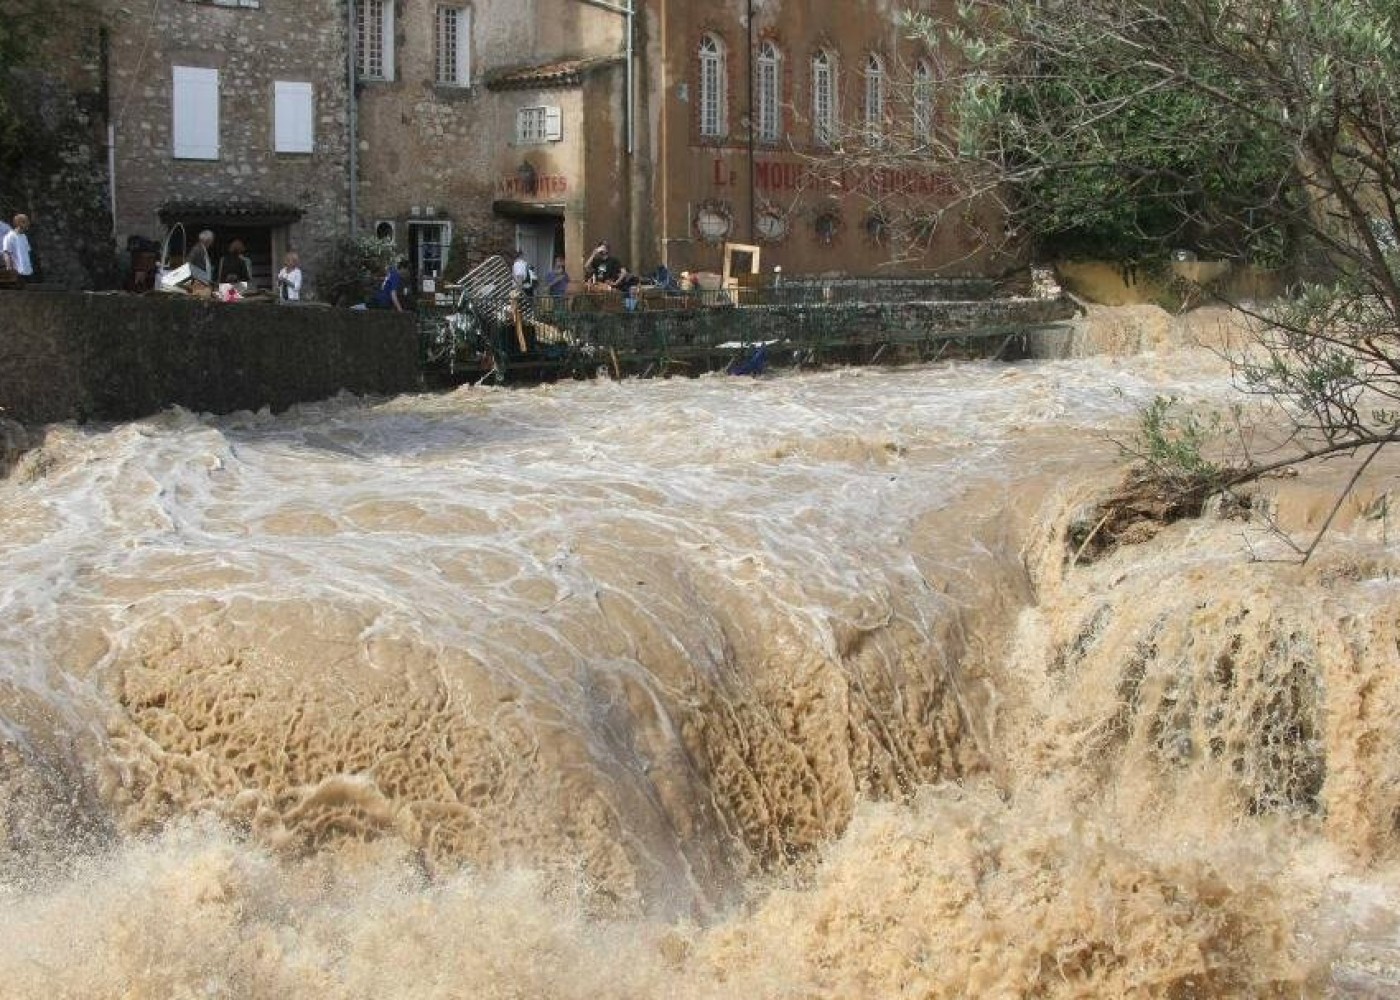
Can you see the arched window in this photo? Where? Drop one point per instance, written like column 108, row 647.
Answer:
column 712, row 90
column 923, row 102
column 874, row 97
column 824, row 98
column 770, row 93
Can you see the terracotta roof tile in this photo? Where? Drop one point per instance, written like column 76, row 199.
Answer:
column 566, row 73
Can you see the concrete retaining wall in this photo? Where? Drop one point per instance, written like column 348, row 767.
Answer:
column 73, row 356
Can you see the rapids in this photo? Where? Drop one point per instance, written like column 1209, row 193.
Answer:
column 701, row 688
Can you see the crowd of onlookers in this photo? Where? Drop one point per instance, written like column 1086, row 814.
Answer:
column 231, row 276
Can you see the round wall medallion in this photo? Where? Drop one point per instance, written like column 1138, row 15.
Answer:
column 771, row 226
column 713, row 223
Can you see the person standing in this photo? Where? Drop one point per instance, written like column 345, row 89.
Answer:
column 523, row 274
column 198, row 257
column 15, row 249
column 289, row 278
column 235, row 268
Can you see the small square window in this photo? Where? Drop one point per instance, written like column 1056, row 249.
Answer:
column 540, row 124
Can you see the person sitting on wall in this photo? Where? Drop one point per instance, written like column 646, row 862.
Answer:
column 591, row 261
column 606, row 269
column 390, row 294
column 626, row 283
column 235, row 268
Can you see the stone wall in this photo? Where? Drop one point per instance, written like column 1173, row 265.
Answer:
column 66, row 356
column 819, row 327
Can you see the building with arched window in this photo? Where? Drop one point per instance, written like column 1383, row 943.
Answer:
column 460, row 128
column 821, row 77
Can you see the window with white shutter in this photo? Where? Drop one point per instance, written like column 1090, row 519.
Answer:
column 538, row 124
column 195, row 113
column 293, row 117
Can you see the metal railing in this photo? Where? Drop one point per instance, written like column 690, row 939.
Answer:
column 665, row 329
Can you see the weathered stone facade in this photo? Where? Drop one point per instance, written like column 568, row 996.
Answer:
column 245, row 187
column 656, row 183
column 752, row 180
column 479, row 126
column 440, row 154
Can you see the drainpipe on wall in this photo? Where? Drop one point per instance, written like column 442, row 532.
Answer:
column 352, row 106
column 752, row 189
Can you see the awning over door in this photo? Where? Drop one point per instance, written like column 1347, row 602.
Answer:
column 231, row 213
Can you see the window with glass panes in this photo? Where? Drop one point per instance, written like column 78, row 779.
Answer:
column 770, row 93
column 824, row 98
column 923, row 101
column 373, row 38
column 453, row 45
column 712, row 96
column 874, row 97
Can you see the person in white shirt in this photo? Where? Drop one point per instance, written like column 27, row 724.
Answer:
column 520, row 270
column 289, row 278
column 15, row 249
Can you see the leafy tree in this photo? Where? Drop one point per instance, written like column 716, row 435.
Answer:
column 1266, row 130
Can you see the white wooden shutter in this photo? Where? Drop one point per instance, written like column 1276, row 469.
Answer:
column 195, row 112
column 553, row 124
column 293, row 117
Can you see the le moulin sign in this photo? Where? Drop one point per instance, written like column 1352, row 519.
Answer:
column 774, row 176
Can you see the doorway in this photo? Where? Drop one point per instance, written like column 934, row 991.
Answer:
column 541, row 241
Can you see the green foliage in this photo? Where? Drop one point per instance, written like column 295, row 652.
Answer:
column 1173, row 442
column 1105, row 157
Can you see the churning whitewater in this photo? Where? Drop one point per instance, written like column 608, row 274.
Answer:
column 787, row 687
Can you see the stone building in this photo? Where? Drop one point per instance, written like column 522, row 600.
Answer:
column 480, row 124
column 747, row 98
column 534, row 123
column 230, row 115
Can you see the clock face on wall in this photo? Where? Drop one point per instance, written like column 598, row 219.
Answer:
column 771, row 226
